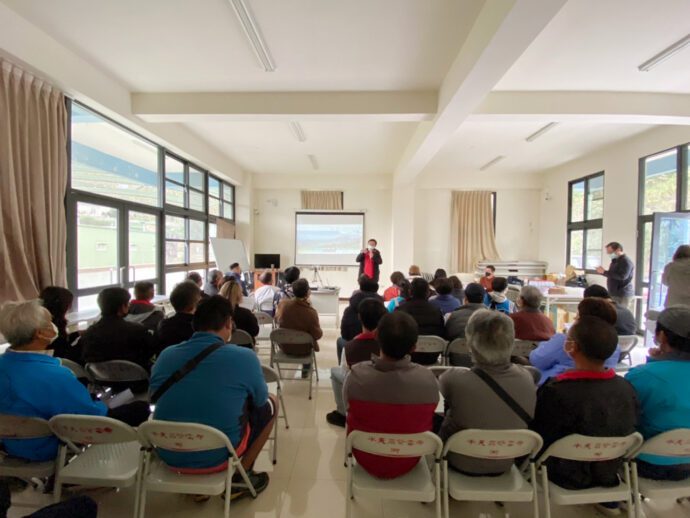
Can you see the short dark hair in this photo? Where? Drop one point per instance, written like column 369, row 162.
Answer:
column 499, row 284
column 475, row 293
column 184, row 295
column 234, row 265
column 291, row 274
column 680, row 343
column 212, row 314
column 300, row 288
column 595, row 290
column 142, row 289
column 396, row 277
column 682, row 252
column 490, row 267
column 443, row 286
column 374, row 240
column 397, row 334
column 110, row 300
column 370, row 311
column 440, row 273
column 455, row 282
column 419, row 288
column 404, row 287
column 194, row 277
column 598, row 307
column 367, row 284
column 596, row 338
column 266, row 278
column 615, row 245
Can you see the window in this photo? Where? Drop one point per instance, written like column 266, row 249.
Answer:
column 185, row 241
column 585, row 221
column 185, row 185
column 97, row 246
column 221, row 199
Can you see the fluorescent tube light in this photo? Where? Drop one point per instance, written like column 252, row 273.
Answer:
column 251, row 30
column 541, row 131
column 492, row 162
column 297, row 130
column 313, row 161
column 665, row 54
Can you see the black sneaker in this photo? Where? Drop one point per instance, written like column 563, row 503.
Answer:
column 258, row 480
column 336, row 419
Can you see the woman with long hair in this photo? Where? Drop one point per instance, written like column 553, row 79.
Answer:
column 244, row 319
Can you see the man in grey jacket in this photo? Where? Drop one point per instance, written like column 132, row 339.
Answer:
column 474, row 300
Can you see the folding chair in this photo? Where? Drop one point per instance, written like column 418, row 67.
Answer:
column 107, row 453
column 627, row 343
column 431, row 344
column 264, row 320
column 18, row 427
column 186, row 437
column 422, row 484
column 78, row 371
column 439, row 370
column 294, row 348
column 522, row 348
column 242, row 338
column 512, row 486
column 458, row 353
column 271, row 376
column 674, row 443
column 583, row 448
column 118, row 374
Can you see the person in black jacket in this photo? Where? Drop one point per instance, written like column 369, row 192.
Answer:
column 370, row 260
column 619, row 276
column 58, row 301
column 625, row 320
column 427, row 315
column 178, row 328
column 350, row 325
column 243, row 318
column 588, row 400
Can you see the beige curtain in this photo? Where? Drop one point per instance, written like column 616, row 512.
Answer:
column 33, row 179
column 322, row 200
column 472, row 230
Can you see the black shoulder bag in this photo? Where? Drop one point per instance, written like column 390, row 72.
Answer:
column 507, row 399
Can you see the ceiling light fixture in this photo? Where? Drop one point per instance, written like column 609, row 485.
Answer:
column 297, row 130
column 665, row 54
column 492, row 162
column 314, row 163
column 541, row 131
column 251, row 30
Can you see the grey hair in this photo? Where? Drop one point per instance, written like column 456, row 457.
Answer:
column 531, row 296
column 19, row 321
column 490, row 336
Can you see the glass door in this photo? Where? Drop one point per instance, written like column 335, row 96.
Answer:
column 670, row 230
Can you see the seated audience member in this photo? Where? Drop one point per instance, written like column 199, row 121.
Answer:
column 662, row 388
column 444, row 299
column 458, row 291
column 265, row 295
column 112, row 337
column 530, row 322
column 488, row 278
column 33, row 384
column 490, row 337
column 551, row 358
column 214, row 280
column 428, row 317
column 58, row 301
column 350, row 325
column 195, row 277
column 177, row 328
column 391, row 394
column 393, row 290
column 403, row 295
column 291, row 275
column 457, row 321
column 141, row 311
column 625, row 320
column 243, row 318
column 413, row 272
column 439, row 275
column 588, row 400
column 359, row 349
column 226, row 390
column 496, row 298
column 236, row 272
column 298, row 314
column 676, row 276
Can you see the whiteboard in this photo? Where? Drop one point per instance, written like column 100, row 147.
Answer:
column 228, row 251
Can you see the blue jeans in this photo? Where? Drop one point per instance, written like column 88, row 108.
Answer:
column 338, row 375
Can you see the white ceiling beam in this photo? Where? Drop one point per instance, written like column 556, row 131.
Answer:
column 502, row 32
column 288, row 106
column 600, row 107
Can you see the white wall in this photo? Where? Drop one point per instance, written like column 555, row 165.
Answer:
column 620, row 164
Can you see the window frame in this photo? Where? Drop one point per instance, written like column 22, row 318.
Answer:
column 586, row 224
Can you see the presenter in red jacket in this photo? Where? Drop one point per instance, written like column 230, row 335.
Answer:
column 369, row 260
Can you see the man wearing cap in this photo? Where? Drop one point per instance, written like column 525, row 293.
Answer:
column 662, row 387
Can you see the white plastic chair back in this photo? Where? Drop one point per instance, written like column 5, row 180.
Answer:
column 439, row 370
column 241, row 337
column 395, row 445
column 285, row 338
column 19, row 427
column 627, row 343
column 430, row 344
column 494, row 444
column 523, row 347
column 182, row 437
column 263, row 318
column 117, row 371
column 266, row 305
column 84, row 429
column 584, row 448
column 248, row 302
column 270, row 375
column 674, row 443
column 78, row 371
column 458, row 353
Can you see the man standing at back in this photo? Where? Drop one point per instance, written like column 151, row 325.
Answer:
column 619, row 276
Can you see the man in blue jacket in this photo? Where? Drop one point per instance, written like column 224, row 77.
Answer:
column 662, row 386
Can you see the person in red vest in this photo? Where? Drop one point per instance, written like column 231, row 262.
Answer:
column 369, row 260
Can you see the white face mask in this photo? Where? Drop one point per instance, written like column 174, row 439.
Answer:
column 370, row 247
column 613, row 255
column 57, row 333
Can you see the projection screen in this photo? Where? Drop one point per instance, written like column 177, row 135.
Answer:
column 328, row 238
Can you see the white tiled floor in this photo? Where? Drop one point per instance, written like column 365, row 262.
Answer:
column 309, row 478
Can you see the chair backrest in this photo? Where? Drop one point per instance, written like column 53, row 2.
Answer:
column 439, row 370
column 494, row 444
column 458, row 353
column 270, row 375
column 266, row 304
column 395, row 445
column 430, row 344
column 298, row 343
column 117, row 371
column 87, row 429
column 592, row 449
column 20, row 427
column 523, row 347
column 241, row 337
column 182, row 437
column 674, row 443
column 248, row 302
column 78, row 371
column 627, row 343
column 263, row 318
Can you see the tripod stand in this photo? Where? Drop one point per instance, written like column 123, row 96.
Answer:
column 316, row 277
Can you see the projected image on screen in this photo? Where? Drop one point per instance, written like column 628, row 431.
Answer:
column 328, row 239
